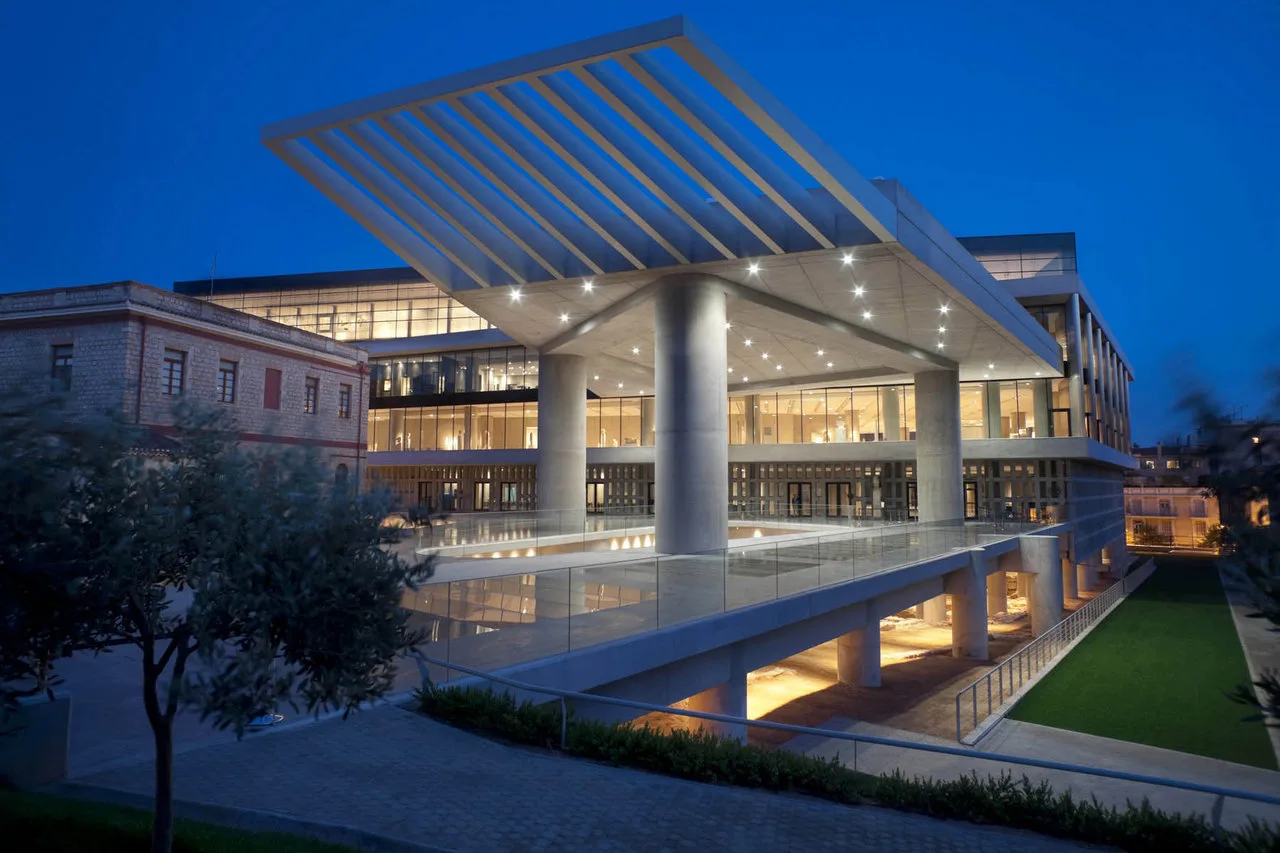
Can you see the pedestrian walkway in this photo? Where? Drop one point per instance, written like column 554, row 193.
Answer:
column 400, row 775
column 1257, row 638
column 1028, row 740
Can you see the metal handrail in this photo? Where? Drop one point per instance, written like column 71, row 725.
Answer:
column 1042, row 651
column 563, row 695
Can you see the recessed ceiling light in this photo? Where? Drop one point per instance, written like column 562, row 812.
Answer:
column 728, row 325
column 942, row 330
column 941, row 344
column 596, row 377
column 866, row 315
column 515, row 294
column 747, row 342
column 847, row 259
column 587, row 284
column 991, row 366
column 858, row 290
column 986, row 376
column 753, row 268
column 564, row 318
column 822, row 352
column 635, row 350
column 831, row 364
column 731, row 370
column 765, row 356
column 778, row 366
column 1037, row 373
column 745, row 379
column 943, row 309
column 642, row 391
column 619, row 384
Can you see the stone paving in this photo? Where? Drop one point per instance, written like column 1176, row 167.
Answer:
column 397, row 774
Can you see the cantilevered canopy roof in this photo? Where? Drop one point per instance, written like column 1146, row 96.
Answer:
column 548, row 192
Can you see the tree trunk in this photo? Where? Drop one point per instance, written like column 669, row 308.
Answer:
column 162, row 826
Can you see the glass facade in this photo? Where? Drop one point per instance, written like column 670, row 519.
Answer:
column 361, row 312
column 1027, row 263
column 1027, row 408
column 495, row 369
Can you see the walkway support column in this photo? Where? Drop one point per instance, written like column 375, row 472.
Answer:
column 997, row 593
column 729, row 698
column 1070, row 583
column 939, row 484
column 969, row 633
column 1040, row 559
column 1086, row 575
column 562, row 443
column 858, row 656
column 934, row 610
column 691, row 445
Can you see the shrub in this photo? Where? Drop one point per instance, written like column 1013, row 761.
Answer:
column 703, row 757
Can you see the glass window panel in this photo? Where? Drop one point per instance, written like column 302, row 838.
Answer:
column 767, row 419
column 497, row 426
column 790, row 418
column 973, row 410
column 413, row 429
column 595, row 435
column 738, row 419
column 479, row 429
column 514, row 426
column 630, row 425
column 648, row 425
column 610, row 422
column 909, row 413
column 531, row 426
column 381, row 429
column 1030, row 400
column 1011, row 421
column 430, row 423
column 451, row 427
column 815, row 417
column 839, row 428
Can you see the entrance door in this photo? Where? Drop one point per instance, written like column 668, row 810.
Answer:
column 912, row 496
column 449, row 497
column 970, row 499
column 799, row 500
column 427, row 495
column 482, row 491
column 507, row 497
column 595, row 497
column 839, row 499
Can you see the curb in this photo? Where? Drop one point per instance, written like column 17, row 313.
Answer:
column 247, row 819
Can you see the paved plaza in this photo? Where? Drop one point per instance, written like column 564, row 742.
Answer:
column 397, row 774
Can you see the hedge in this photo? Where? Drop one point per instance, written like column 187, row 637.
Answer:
column 702, row 757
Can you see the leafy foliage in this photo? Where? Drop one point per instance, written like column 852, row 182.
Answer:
column 702, row 757
column 260, row 569
column 1145, row 533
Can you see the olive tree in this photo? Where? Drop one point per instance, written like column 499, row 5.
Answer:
column 287, row 593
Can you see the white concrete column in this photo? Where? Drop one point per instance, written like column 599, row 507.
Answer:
column 691, row 445
column 1087, row 341
column 1040, row 406
column 1070, row 587
column 969, row 633
column 1104, row 378
column 997, row 593
column 1086, row 576
column 1075, row 365
column 1040, row 558
column 729, row 698
column 1128, row 417
column 858, row 656
column 562, row 443
column 891, row 412
column 1023, row 589
column 934, row 610
column 992, row 414
column 939, row 483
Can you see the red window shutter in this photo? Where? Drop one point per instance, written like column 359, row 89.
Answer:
column 271, row 393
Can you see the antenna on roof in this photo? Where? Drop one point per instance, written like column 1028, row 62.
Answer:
column 212, row 271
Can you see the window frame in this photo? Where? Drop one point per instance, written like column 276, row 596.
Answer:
column 167, row 373
column 228, row 368
column 344, row 401
column 311, row 395
column 60, row 370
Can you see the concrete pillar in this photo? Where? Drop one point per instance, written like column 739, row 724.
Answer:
column 1040, row 557
column 969, row 609
column 1070, row 587
column 729, row 698
column 890, row 413
column 562, row 443
column 934, row 610
column 691, row 446
column 992, row 415
column 1040, row 407
column 1119, row 558
column 1075, row 365
column 1090, row 369
column 1086, row 576
column 997, row 593
column 1024, row 585
column 939, row 483
column 858, row 656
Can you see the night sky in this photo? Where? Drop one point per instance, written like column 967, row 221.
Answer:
column 129, row 144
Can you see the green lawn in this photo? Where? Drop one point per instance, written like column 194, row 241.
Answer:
column 38, row 823
column 1156, row 671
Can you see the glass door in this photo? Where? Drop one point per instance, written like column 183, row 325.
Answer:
column 839, row 499
column 507, row 497
column 799, row 500
column 595, row 497
column 970, row 499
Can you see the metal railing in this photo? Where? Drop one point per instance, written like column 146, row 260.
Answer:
column 1219, row 794
column 1002, row 682
column 494, row 619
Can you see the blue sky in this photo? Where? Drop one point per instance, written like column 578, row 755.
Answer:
column 130, row 142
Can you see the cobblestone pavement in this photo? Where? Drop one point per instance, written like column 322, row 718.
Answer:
column 395, row 773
